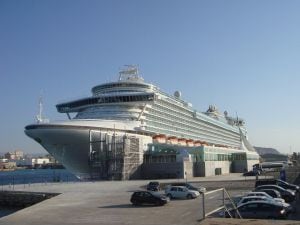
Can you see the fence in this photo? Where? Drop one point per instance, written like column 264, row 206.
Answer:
column 217, row 202
column 28, row 177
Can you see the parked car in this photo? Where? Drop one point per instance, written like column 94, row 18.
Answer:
column 181, row 192
column 273, row 193
column 147, row 197
column 246, row 199
column 260, row 210
column 287, row 185
column 265, row 182
column 190, row 186
column 286, row 194
column 153, row 186
column 264, row 194
column 278, row 182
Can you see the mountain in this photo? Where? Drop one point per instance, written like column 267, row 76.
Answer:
column 264, row 151
column 274, row 157
column 270, row 154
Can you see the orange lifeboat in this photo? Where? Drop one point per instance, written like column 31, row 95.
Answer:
column 190, row 142
column 197, row 143
column 182, row 141
column 204, row 143
column 160, row 138
column 172, row 140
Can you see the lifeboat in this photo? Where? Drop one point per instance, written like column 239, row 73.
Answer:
column 160, row 138
column 204, row 143
column 172, row 140
column 197, row 143
column 190, row 143
column 182, row 141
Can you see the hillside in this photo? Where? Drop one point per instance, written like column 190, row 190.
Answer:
column 274, row 157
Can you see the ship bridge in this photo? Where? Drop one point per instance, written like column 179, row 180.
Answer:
column 77, row 105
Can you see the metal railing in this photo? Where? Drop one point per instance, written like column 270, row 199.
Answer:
column 9, row 181
column 223, row 205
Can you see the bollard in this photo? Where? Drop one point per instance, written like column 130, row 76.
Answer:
column 203, row 205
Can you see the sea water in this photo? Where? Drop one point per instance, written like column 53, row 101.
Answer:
column 27, row 176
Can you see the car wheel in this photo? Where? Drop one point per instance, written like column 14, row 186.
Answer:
column 158, row 203
column 189, row 196
column 134, row 203
column 170, row 196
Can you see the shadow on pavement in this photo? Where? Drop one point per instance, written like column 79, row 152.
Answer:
column 125, row 206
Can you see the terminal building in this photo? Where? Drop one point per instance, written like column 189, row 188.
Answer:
column 123, row 158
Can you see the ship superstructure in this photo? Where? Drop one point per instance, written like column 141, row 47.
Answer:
column 132, row 106
column 131, row 99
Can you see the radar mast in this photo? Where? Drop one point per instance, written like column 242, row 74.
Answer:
column 130, row 73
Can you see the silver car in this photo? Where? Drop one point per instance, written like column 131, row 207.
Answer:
column 264, row 194
column 181, row 192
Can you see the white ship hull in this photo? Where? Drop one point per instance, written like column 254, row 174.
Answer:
column 69, row 142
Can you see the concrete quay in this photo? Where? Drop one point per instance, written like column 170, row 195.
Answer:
column 107, row 203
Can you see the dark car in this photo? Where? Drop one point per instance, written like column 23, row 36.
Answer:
column 260, row 210
column 278, row 182
column 149, row 198
column 190, row 186
column 273, row 193
column 153, row 186
column 287, row 185
column 265, row 182
column 286, row 194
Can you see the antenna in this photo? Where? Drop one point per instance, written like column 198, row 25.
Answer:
column 39, row 116
column 130, row 73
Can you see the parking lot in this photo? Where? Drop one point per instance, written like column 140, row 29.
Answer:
column 108, row 203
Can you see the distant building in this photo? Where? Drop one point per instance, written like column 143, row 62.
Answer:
column 24, row 162
column 37, row 162
column 7, row 165
column 16, row 155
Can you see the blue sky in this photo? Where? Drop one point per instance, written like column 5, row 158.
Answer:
column 242, row 56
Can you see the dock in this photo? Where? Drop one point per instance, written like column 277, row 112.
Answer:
column 108, row 203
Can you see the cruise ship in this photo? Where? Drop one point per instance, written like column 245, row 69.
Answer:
column 130, row 108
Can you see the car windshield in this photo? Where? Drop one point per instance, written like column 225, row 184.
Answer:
column 283, row 182
column 273, row 186
column 190, row 186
